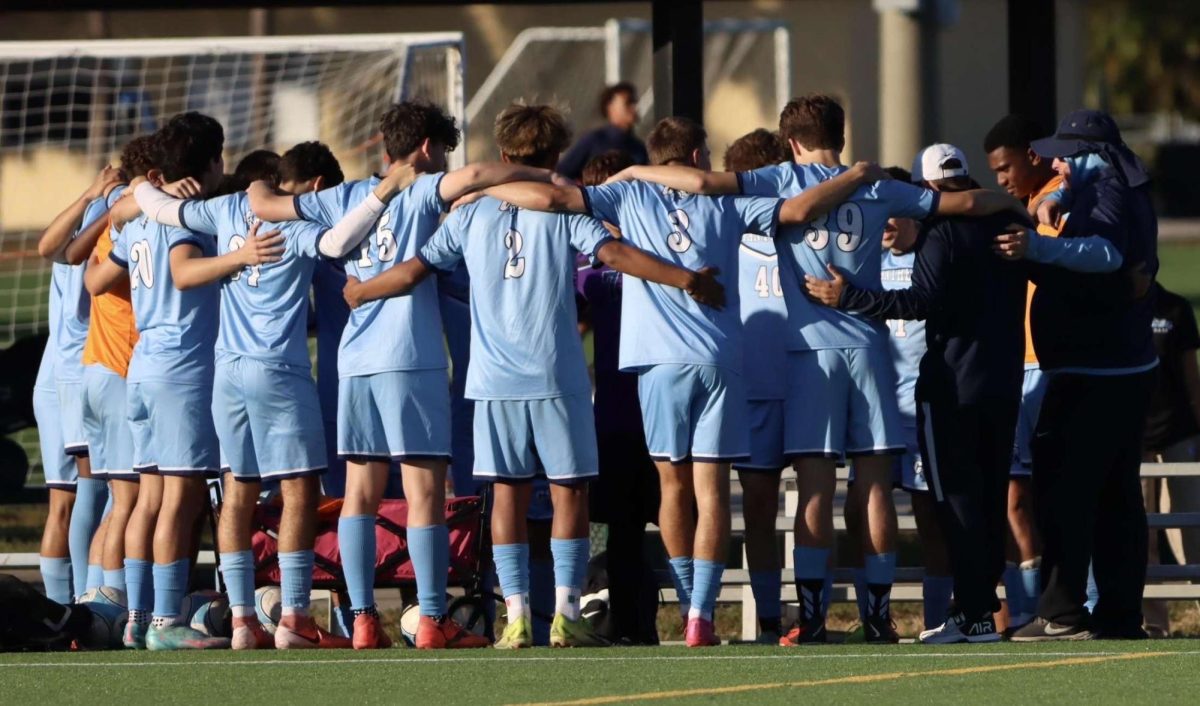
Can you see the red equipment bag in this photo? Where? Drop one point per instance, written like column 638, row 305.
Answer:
column 393, row 566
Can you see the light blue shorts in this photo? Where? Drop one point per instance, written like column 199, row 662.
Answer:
column 541, row 506
column 268, row 420
column 394, row 415
column 106, row 424
column 842, row 403
column 172, row 428
column 766, row 437
column 907, row 471
column 58, row 467
column 70, row 410
column 521, row 439
column 694, row 412
column 1033, row 389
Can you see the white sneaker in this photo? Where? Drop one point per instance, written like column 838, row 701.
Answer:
column 957, row 630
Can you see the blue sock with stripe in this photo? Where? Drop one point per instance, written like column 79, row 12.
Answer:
column 115, row 578
column 429, row 548
column 811, row 568
column 707, row 577
column 767, row 588
column 56, row 577
column 880, row 573
column 170, row 585
column 295, row 578
column 570, row 571
column 237, row 568
column 87, row 511
column 682, row 569
column 937, row 591
column 356, row 542
column 139, row 585
column 512, row 568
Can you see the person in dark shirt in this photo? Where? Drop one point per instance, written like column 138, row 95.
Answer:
column 1091, row 323
column 968, row 389
column 618, row 107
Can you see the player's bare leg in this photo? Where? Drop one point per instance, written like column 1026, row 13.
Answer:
column 297, row 532
column 234, row 530
column 1026, row 553
column 711, row 547
column 760, row 508
column 55, row 551
column 874, row 474
column 124, row 499
column 139, row 556
column 510, row 553
column 816, row 481
column 365, row 483
column 938, row 583
column 182, row 502
column 677, row 526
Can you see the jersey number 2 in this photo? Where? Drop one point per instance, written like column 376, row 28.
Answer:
column 514, row 267
column 142, row 272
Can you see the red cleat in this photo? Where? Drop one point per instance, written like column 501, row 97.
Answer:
column 700, row 633
column 249, row 634
column 369, row 634
column 300, row 632
column 447, row 635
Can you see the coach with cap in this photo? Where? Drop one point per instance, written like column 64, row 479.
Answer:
column 1091, row 323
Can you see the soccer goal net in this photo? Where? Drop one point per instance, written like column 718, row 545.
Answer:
column 69, row 107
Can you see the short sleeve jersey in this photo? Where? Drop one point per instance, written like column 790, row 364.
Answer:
column 907, row 338
column 400, row 333
column 178, row 329
column 764, row 318
column 848, row 237
column 264, row 309
column 663, row 325
column 525, row 341
column 76, row 305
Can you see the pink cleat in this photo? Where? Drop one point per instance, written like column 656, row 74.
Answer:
column 700, row 633
column 249, row 634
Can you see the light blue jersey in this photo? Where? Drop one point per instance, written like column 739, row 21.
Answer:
column 264, row 309
column 848, row 237
column 178, row 329
column 75, row 306
column 400, row 333
column 764, row 318
column 525, row 341
column 45, row 375
column 907, row 340
column 662, row 324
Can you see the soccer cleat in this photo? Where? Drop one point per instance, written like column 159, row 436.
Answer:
column 957, row 629
column 700, row 633
column 135, row 635
column 300, row 632
column 1042, row 630
column 574, row 633
column 182, row 637
column 249, row 634
column 517, row 635
column 446, row 634
column 368, row 633
column 880, row 631
column 810, row 633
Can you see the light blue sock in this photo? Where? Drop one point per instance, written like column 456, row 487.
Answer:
column 812, row 576
column 706, row 587
column 86, row 513
column 767, row 588
column 237, row 569
column 56, row 577
column 682, row 568
column 1014, row 590
column 512, row 568
column 1093, row 591
column 880, row 572
column 541, row 599
column 356, row 542
column 1031, row 579
column 937, row 591
column 860, row 591
column 115, row 578
column 139, row 584
column 295, row 578
column 170, row 585
column 429, row 548
column 570, row 574
column 95, row 577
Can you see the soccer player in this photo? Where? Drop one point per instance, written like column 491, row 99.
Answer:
column 533, row 411
column 840, row 381
column 1021, row 172
column 764, row 318
column 689, row 360
column 169, row 389
column 265, row 403
column 76, row 498
column 393, row 397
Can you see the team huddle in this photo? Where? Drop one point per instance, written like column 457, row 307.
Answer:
column 190, row 361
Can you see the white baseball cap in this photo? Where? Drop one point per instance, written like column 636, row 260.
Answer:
column 930, row 163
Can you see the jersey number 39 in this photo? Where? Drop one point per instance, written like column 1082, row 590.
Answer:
column 847, row 228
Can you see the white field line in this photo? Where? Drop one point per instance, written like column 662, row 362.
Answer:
column 564, row 659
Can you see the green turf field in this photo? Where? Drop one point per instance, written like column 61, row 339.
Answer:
column 1159, row 672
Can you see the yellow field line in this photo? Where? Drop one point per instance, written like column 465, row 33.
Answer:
column 857, row 679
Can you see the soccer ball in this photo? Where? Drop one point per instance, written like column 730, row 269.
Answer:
column 107, row 595
column 208, row 612
column 410, row 619
column 108, row 625
column 268, row 605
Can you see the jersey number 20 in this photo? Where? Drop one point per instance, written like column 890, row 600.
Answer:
column 142, row 272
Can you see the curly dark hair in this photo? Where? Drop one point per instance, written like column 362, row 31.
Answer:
column 406, row 125
column 604, row 165
column 190, row 143
column 1015, row 132
column 899, row 174
column 139, row 156
column 756, row 149
column 309, row 160
column 816, row 121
